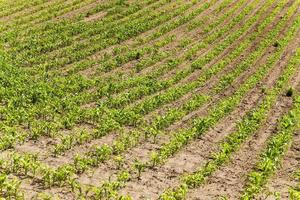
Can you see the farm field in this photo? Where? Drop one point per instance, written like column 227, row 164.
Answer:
column 149, row 99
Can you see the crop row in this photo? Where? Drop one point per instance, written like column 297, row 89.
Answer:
column 43, row 128
column 42, row 36
column 295, row 191
column 253, row 120
column 134, row 114
column 108, row 88
column 278, row 144
column 107, row 35
column 10, row 188
column 65, row 168
column 75, row 140
column 129, row 107
column 173, row 146
column 7, row 9
column 135, row 54
column 42, row 13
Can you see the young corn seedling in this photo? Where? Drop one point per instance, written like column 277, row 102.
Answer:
column 139, row 167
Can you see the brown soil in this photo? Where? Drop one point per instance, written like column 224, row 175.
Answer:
column 95, row 17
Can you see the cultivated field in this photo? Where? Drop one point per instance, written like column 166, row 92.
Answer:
column 150, row 99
